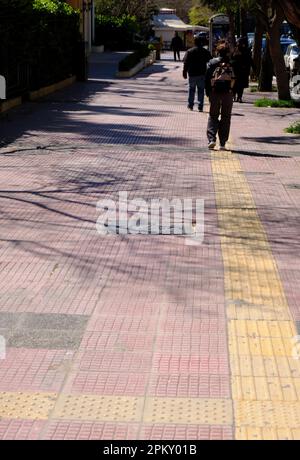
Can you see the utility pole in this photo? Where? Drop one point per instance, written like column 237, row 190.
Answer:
column 82, row 71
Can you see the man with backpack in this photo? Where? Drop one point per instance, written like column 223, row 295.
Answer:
column 219, row 82
column 195, row 63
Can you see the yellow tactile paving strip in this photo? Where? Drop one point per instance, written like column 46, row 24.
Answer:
column 34, row 406
column 39, row 406
column 188, row 411
column 265, row 377
column 267, row 433
column 100, row 408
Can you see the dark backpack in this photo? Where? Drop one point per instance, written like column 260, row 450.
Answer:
column 222, row 78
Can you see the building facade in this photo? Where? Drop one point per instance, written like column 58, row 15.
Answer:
column 166, row 23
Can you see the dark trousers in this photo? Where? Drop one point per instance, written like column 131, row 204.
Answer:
column 238, row 91
column 176, row 54
column 219, row 116
column 199, row 83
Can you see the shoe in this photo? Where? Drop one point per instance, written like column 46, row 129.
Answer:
column 240, row 100
column 211, row 145
column 222, row 147
column 190, row 108
column 200, row 109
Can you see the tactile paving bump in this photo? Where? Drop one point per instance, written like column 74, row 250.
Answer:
column 35, row 406
column 266, row 434
column 99, row 408
column 260, row 346
column 275, row 414
column 253, row 329
column 266, row 388
column 189, row 411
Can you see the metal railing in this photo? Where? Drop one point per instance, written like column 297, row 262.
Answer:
column 26, row 67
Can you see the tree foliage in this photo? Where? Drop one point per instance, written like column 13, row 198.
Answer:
column 38, row 43
column 200, row 14
column 116, row 32
column 222, row 6
column 182, row 7
column 142, row 10
column 53, row 6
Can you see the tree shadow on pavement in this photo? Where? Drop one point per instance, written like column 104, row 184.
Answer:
column 151, row 70
column 75, row 114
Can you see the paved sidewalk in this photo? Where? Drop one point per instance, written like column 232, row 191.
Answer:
column 104, row 65
column 145, row 337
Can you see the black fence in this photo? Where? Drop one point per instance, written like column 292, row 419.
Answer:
column 38, row 50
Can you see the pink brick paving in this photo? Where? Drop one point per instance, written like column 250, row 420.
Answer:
column 190, row 386
column 107, row 383
column 116, row 361
column 34, row 370
column 119, row 341
column 183, row 432
column 20, row 429
column 157, row 323
column 93, row 431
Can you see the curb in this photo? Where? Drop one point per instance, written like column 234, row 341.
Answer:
column 149, row 60
column 10, row 104
column 5, row 106
column 46, row 90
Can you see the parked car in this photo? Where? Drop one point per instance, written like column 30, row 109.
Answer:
column 285, row 42
column 292, row 52
column 296, row 67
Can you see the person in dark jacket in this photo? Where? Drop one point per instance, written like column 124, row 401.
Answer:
column 219, row 82
column 195, row 63
column 242, row 62
column 176, row 46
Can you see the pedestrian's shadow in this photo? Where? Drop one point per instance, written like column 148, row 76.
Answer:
column 260, row 154
column 275, row 139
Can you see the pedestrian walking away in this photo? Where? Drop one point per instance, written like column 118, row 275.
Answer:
column 241, row 62
column 176, row 46
column 194, row 67
column 219, row 82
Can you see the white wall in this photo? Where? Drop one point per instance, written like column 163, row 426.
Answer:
column 167, row 36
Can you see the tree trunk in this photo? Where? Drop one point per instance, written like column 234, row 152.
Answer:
column 257, row 47
column 243, row 22
column 282, row 75
column 291, row 11
column 266, row 73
